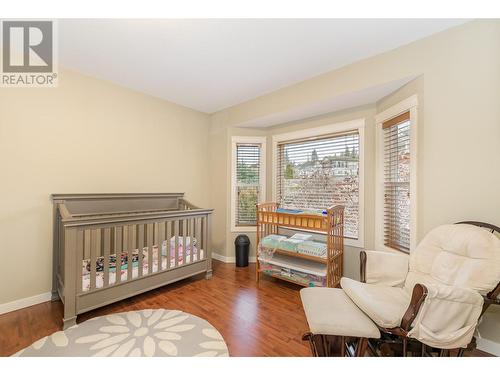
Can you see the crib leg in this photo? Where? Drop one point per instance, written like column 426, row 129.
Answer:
column 69, row 322
column 69, row 291
column 208, row 275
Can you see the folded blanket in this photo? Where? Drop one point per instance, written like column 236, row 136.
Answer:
column 313, row 248
column 290, row 244
column 298, row 243
column 301, row 236
column 272, row 241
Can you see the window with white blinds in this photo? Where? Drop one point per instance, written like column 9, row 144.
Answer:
column 248, row 183
column 319, row 172
column 396, row 160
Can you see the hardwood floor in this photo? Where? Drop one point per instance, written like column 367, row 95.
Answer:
column 263, row 320
column 267, row 320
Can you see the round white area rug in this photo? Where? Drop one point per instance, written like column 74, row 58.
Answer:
column 144, row 333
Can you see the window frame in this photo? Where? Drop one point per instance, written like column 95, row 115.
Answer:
column 320, row 131
column 408, row 105
column 235, row 140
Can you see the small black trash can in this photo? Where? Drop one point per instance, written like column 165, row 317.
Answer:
column 241, row 248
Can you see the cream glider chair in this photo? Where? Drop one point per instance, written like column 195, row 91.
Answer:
column 436, row 294
column 428, row 302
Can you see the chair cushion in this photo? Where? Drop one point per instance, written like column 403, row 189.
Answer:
column 457, row 255
column 385, row 305
column 386, row 268
column 330, row 312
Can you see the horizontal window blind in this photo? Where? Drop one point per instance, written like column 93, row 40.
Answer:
column 321, row 172
column 247, row 183
column 396, row 133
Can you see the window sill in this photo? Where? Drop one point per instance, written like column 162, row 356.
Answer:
column 354, row 243
column 386, row 248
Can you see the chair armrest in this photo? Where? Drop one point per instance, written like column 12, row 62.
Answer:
column 447, row 317
column 492, row 298
column 418, row 297
column 383, row 268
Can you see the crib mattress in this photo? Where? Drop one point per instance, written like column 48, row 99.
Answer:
column 135, row 270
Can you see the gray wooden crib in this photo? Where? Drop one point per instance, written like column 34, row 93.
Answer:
column 108, row 247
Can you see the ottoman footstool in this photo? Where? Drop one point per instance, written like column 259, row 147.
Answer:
column 337, row 326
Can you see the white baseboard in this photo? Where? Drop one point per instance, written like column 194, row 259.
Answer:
column 488, row 346
column 25, row 302
column 226, row 259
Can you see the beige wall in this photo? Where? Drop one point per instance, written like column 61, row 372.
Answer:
column 86, row 135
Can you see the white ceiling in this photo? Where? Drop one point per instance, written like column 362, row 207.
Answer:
column 210, row 64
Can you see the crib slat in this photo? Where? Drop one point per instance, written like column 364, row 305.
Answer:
column 198, row 234
column 125, row 246
column 169, row 241
column 205, row 234
column 88, row 255
column 80, row 256
column 156, row 242
column 86, row 247
column 202, row 223
column 118, row 250
column 140, row 247
column 195, row 226
column 193, row 236
column 176, row 245
column 95, row 248
column 161, row 239
column 184, row 241
column 130, row 249
column 150, row 243
column 106, row 252
column 190, row 234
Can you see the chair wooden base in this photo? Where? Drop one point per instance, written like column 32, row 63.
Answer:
column 336, row 346
column 396, row 346
column 386, row 346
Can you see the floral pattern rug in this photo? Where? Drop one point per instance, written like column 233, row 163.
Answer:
column 144, row 333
